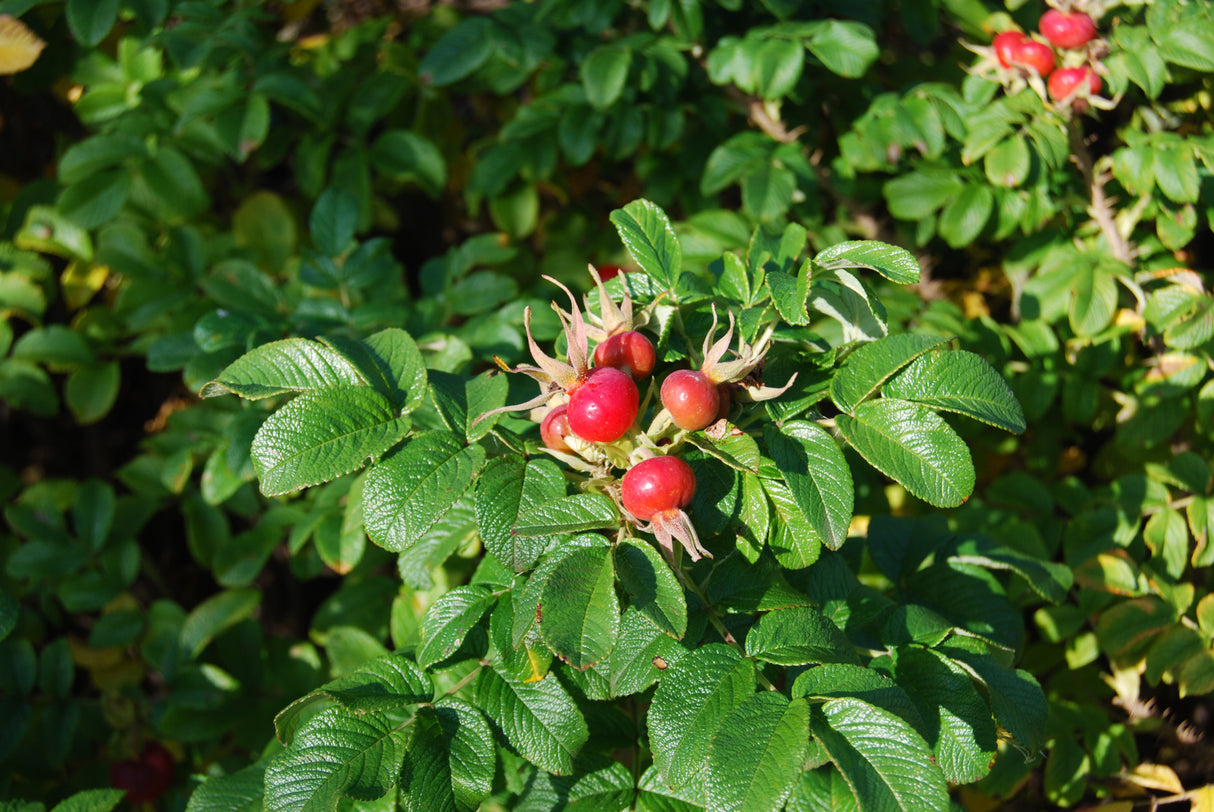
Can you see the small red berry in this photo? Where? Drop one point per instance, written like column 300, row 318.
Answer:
column 628, row 351
column 1003, row 45
column 555, row 428
column 1034, row 55
column 610, row 271
column 658, row 485
column 603, row 406
column 1065, row 81
column 691, row 398
column 1066, row 30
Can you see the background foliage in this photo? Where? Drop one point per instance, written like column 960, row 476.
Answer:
column 186, row 182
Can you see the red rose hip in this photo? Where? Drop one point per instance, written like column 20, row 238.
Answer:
column 657, row 486
column 628, row 351
column 1033, row 55
column 1065, row 81
column 603, row 406
column 1003, row 45
column 1066, row 30
column 555, row 428
column 145, row 778
column 691, row 398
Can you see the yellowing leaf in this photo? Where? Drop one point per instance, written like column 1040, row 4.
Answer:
column 1202, row 799
column 81, row 281
column 1155, row 776
column 19, row 46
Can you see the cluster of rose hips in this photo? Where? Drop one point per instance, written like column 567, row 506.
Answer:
column 1073, row 33
column 589, row 414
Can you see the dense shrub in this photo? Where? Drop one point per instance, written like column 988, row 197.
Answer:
column 934, row 532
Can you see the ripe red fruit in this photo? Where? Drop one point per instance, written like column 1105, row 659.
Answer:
column 1034, row 55
column 1064, row 81
column 1066, row 30
column 1003, row 45
column 610, row 271
column 628, row 351
column 146, row 777
column 555, row 428
column 603, row 407
column 691, row 398
column 657, row 486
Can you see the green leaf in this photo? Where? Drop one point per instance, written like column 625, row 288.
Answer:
column 1184, row 33
column 962, row 382
column 336, row 754
column 964, row 216
column 1016, row 699
column 322, row 435
column 817, row 474
column 383, row 684
column 798, row 635
column 289, row 365
column 864, row 371
column 169, row 188
column 641, row 655
column 569, row 514
column 450, row 760
column 459, row 53
column 917, row 195
column 461, row 400
column 1008, row 163
column 838, row 680
column 886, row 763
column 508, row 489
column 215, row 615
column 579, row 613
column 241, row 791
column 333, row 221
column 604, row 72
column 1093, row 298
column 789, row 293
column 91, row 391
column 10, row 610
column 88, row 157
column 650, row 239
column 448, row 621
column 653, row 589
column 91, row 20
column 1048, row 579
column 55, row 345
column 914, row 447
column 692, row 700
column 539, row 719
column 97, row 199
column 412, row 490
column 91, row 800
column 957, row 720
column 768, row 190
column 93, row 512
column 405, row 155
column 756, row 754
column 778, row 64
column 391, row 362
column 894, row 263
column 792, row 537
column 844, row 47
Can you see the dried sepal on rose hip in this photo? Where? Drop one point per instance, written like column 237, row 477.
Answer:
column 741, row 368
column 654, row 492
column 615, row 330
column 602, row 403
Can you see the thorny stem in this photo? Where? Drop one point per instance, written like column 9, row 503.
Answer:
column 1100, row 208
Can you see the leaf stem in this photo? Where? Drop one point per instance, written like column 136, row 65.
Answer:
column 1101, row 208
